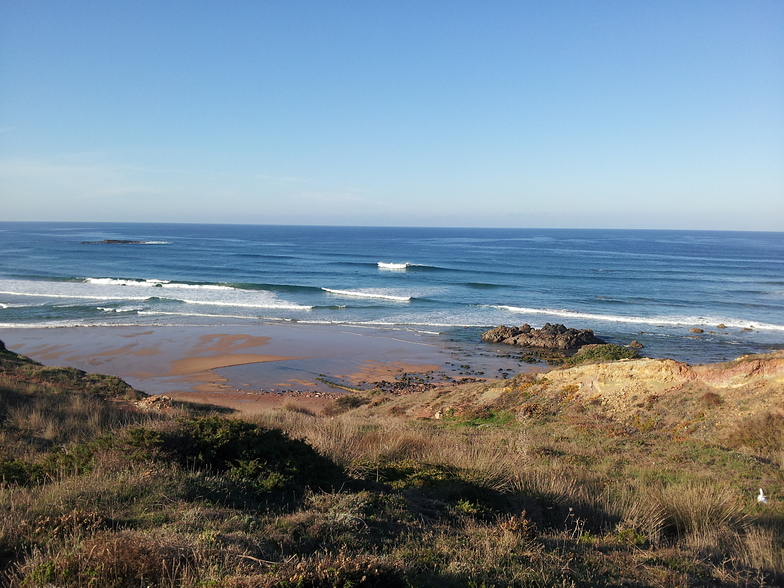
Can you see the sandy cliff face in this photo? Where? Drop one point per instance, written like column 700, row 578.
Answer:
column 651, row 394
column 672, row 394
column 744, row 370
column 662, row 374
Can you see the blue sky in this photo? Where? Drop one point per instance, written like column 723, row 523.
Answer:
column 606, row 114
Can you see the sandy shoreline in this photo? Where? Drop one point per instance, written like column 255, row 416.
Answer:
column 249, row 366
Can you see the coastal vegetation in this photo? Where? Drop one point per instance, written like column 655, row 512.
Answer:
column 571, row 478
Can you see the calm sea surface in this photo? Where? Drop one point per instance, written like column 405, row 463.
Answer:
column 653, row 286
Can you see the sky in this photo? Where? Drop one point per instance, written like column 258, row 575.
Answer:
column 551, row 113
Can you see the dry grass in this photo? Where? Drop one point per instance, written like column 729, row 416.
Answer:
column 697, row 508
column 762, row 434
column 60, row 419
column 761, row 549
column 636, row 510
column 561, row 498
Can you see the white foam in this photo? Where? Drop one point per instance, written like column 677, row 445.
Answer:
column 369, row 293
column 152, row 283
column 198, row 286
column 198, row 314
column 273, row 303
column 130, row 282
column 392, row 266
column 236, row 298
column 86, row 296
column 370, row 324
column 106, row 289
column 673, row 321
column 121, row 309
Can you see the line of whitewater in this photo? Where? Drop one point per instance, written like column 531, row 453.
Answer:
column 279, row 306
column 152, row 283
column 367, row 294
column 75, row 297
column 125, row 242
column 405, row 265
column 672, row 321
column 392, row 266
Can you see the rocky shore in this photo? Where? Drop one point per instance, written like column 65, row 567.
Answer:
column 548, row 337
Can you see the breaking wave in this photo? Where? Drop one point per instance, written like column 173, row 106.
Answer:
column 369, row 293
column 151, row 283
column 672, row 321
column 392, row 266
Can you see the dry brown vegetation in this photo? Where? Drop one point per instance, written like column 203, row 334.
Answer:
column 534, row 481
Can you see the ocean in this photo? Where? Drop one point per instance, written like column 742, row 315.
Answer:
column 656, row 287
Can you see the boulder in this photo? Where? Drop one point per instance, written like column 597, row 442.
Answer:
column 500, row 334
column 548, row 337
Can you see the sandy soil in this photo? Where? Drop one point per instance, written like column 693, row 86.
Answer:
column 247, row 368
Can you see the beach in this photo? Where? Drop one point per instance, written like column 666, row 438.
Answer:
column 255, row 366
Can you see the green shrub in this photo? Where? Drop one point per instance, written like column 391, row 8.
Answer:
column 18, row 471
column 608, row 352
column 53, row 465
column 61, row 462
column 261, row 460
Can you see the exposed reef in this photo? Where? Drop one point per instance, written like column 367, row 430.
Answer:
column 548, row 337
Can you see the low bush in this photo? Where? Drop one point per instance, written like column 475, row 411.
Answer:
column 262, row 460
column 46, row 467
column 608, row 352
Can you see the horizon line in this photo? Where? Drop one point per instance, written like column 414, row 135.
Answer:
column 380, row 226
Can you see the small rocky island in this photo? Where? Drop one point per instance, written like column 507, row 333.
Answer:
column 548, row 337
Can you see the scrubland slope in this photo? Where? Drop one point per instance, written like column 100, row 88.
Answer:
column 635, row 473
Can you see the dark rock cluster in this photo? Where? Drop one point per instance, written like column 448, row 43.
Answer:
column 548, row 337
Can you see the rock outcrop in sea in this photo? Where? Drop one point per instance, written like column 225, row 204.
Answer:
column 548, row 337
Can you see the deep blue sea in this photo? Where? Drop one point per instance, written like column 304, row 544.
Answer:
column 653, row 286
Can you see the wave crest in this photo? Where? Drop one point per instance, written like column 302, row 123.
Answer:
column 392, row 266
column 153, row 283
column 368, row 294
column 672, row 321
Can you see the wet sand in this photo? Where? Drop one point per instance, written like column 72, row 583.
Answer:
column 248, row 367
